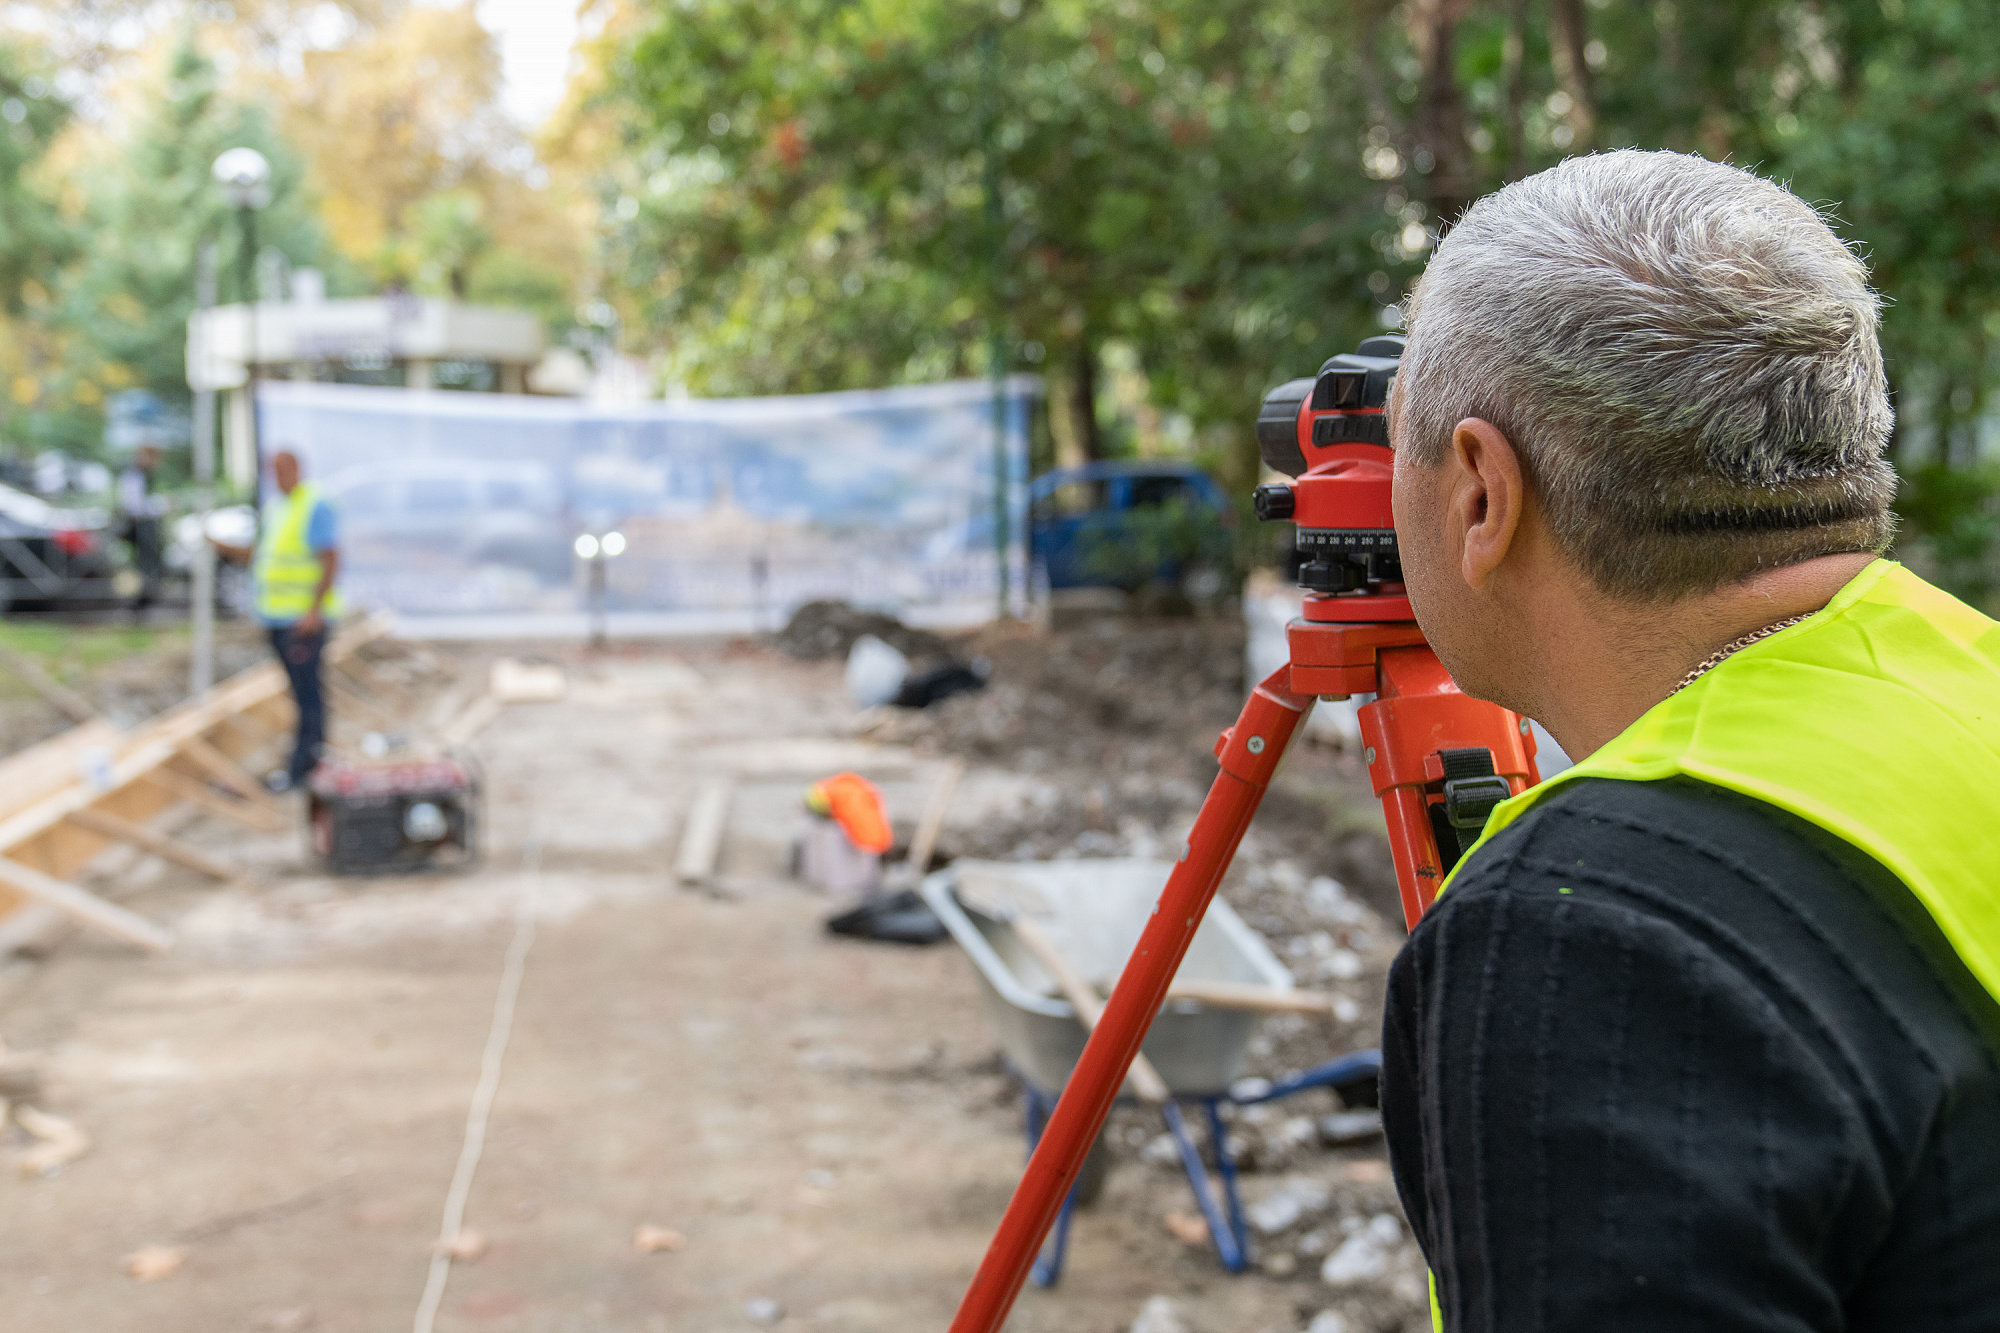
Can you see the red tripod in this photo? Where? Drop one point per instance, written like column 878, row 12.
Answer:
column 1439, row 761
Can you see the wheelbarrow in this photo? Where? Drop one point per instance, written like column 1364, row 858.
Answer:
column 1093, row 912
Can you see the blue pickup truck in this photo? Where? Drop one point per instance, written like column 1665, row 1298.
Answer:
column 1100, row 524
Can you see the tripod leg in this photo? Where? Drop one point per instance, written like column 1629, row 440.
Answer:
column 1249, row 752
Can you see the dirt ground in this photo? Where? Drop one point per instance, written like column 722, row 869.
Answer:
column 827, row 1123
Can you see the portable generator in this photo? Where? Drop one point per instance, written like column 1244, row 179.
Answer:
column 398, row 815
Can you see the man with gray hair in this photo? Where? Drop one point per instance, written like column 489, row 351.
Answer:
column 1705, row 1033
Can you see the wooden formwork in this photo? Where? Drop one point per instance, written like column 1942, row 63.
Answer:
column 68, row 799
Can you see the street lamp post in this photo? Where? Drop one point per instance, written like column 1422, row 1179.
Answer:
column 595, row 551
column 202, row 442
column 245, row 177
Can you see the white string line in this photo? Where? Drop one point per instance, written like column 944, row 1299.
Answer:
column 489, row 1087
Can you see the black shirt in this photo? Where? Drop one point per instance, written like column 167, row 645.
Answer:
column 1668, row 1058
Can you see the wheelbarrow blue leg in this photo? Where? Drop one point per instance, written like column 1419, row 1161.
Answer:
column 1049, row 1264
column 1228, row 1245
column 1225, row 1163
column 1347, row 1069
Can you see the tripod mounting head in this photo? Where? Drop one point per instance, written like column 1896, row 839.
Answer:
column 1331, row 433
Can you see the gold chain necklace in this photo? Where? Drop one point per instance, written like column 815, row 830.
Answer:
column 1722, row 654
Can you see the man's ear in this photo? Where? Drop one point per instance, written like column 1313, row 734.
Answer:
column 1488, row 495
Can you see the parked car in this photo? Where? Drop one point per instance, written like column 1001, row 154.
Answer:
column 51, row 556
column 1124, row 523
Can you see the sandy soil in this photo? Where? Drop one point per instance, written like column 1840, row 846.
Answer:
column 826, row 1123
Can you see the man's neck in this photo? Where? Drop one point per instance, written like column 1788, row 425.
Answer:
column 1616, row 660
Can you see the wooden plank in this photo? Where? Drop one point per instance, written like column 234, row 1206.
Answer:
column 701, row 838
column 360, row 703
column 196, row 792
column 31, row 927
column 85, row 906
column 41, row 787
column 476, row 718
column 151, row 840
column 925, row 841
column 29, row 775
column 253, row 728
column 1248, row 995
column 363, row 675
column 225, row 770
column 60, row 696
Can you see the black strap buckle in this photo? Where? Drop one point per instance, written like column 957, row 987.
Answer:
column 1471, row 790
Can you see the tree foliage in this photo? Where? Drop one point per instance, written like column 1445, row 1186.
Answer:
column 807, row 198
column 393, row 166
column 800, row 195
column 148, row 207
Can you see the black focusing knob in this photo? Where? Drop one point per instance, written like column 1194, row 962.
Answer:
column 1273, row 502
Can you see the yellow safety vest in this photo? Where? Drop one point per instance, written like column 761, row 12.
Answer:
column 1877, row 718
column 287, row 570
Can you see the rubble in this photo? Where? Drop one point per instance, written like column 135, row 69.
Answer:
column 819, row 630
column 1160, row 1314
column 649, row 1239
column 150, row 1263
column 1294, row 1198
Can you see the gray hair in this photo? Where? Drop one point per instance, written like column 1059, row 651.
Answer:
column 1685, row 356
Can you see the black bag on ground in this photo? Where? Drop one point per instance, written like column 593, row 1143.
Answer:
column 893, row 918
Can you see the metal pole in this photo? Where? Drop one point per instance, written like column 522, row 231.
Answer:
column 600, row 630
column 246, row 280
column 202, row 442
column 996, row 344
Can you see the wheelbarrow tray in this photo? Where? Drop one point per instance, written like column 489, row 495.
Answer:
column 1097, row 909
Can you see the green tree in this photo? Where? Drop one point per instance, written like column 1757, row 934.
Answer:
column 804, row 205
column 1232, row 192
column 126, row 303
column 35, row 241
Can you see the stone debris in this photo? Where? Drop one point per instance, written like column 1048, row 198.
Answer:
column 1346, row 1128
column 58, row 1140
column 151, row 1263
column 1160, row 1314
column 468, row 1246
column 1293, row 1200
column 1282, row 1264
column 820, row 630
column 1365, row 1255
column 649, row 1239
column 763, row 1310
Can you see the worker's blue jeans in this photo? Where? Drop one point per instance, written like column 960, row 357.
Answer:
column 300, row 655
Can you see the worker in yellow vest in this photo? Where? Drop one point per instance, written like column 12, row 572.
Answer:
column 292, row 571
column 1703, row 1034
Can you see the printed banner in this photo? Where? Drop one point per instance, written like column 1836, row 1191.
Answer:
column 472, row 504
